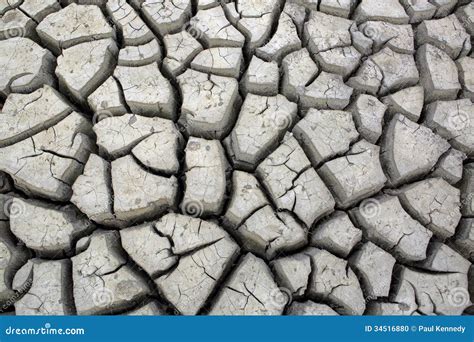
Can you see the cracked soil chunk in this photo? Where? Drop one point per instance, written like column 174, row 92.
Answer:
column 267, row 233
column 261, row 78
column 159, row 152
column 147, row 91
column 434, row 203
column 72, row 25
column 166, row 16
column 408, row 101
column 402, row 302
column 293, row 272
column 438, row 74
column 188, row 233
column 342, row 61
column 375, row 268
column 435, row 292
column 181, row 48
column 453, row 120
column 442, row 258
column 449, row 166
column 189, row 284
column 284, row 41
column 148, row 249
column 337, row 234
column 253, row 18
column 38, row 10
column 131, row 27
column 447, row 33
column 49, row 293
column 398, row 38
column 139, row 194
column 221, row 61
column 389, row 10
column 15, row 23
column 261, row 123
column 206, row 166
column 23, row 115
column 333, row 280
column 140, row 55
column 103, row 282
column 387, row 224
column 368, row 78
column 293, row 184
column 247, row 197
column 323, row 32
column 328, row 91
column 465, row 67
column 464, row 238
column 92, row 193
column 56, row 229
column 209, row 103
column 298, row 70
column 48, row 163
column 107, row 100
column 117, row 136
column 249, row 290
column 399, row 70
column 83, row 67
column 466, row 15
column 356, row 175
column 368, row 114
column 341, row 8
column 325, row 134
column 214, row 28
column 25, row 65
column 405, row 139
column 419, row 10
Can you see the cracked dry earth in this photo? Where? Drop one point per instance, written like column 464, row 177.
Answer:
column 304, row 157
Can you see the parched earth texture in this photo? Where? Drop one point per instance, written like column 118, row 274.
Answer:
column 249, row 157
